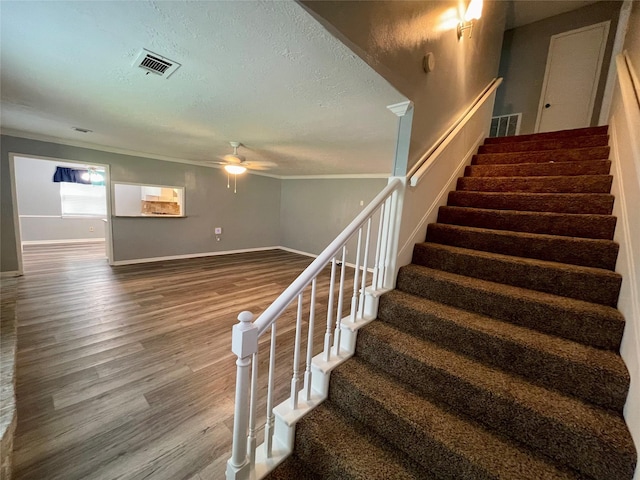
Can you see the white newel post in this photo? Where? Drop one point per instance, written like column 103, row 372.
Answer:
column 244, row 345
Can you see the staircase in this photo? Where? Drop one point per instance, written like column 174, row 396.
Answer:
column 497, row 354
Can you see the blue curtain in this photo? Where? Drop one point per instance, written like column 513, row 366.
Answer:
column 71, row 175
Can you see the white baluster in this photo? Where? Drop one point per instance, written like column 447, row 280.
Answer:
column 295, row 379
column 244, row 344
column 326, row 354
column 384, row 249
column 251, row 438
column 337, row 334
column 268, row 426
column 312, row 314
column 365, row 262
column 376, row 262
column 354, row 298
column 392, row 240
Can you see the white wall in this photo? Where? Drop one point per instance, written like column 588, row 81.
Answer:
column 624, row 122
column 40, row 208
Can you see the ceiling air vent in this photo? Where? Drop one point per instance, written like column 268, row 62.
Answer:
column 154, row 63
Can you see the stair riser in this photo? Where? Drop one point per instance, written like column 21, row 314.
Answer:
column 582, row 184
column 540, row 367
column 417, row 444
column 545, row 145
column 591, row 226
column 581, row 132
column 317, row 449
column 596, row 167
column 569, row 155
column 584, row 252
column 588, row 328
column 313, row 453
column 292, row 468
column 575, row 448
column 600, row 204
column 590, row 287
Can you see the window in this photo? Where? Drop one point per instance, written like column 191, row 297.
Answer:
column 83, row 199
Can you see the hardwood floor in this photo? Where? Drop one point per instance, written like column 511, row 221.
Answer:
column 127, row 372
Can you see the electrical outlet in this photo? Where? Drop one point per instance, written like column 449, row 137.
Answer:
column 91, row 229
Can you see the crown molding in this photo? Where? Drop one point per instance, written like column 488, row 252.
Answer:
column 401, row 109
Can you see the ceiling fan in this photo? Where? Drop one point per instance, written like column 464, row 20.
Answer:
column 236, row 164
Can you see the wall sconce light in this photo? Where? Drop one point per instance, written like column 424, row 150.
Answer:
column 474, row 12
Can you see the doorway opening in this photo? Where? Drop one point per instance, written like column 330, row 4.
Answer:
column 59, row 204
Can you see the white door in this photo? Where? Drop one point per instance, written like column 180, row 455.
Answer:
column 571, row 78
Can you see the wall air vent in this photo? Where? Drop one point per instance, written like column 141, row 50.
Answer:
column 505, row 125
column 154, row 63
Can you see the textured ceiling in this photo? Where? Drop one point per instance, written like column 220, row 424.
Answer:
column 263, row 73
column 524, row 12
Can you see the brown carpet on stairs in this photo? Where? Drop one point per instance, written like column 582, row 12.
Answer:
column 497, row 354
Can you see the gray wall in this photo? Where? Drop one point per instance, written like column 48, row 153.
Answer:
column 39, row 199
column 250, row 218
column 524, row 59
column 314, row 211
column 393, row 36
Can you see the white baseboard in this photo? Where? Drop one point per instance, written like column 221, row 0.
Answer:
column 57, row 242
column 192, row 255
column 313, row 255
column 299, row 252
column 11, row 274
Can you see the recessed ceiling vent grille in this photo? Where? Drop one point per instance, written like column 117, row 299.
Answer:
column 154, row 63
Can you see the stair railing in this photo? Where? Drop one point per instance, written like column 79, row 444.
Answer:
column 307, row 388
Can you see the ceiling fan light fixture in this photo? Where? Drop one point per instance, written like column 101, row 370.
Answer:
column 235, row 169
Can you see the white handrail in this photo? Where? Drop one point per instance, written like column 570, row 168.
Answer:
column 422, row 166
column 628, row 67
column 274, row 310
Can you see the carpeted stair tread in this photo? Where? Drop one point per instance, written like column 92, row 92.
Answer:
column 596, row 203
column 590, row 439
column 594, row 375
column 564, row 155
column 581, row 225
column 292, row 469
column 590, row 167
column 554, row 184
column 594, row 285
column 546, row 144
column 576, row 251
column 340, row 449
column 584, row 322
column 449, row 444
column 578, row 132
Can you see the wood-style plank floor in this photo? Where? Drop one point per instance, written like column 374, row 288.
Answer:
column 126, row 372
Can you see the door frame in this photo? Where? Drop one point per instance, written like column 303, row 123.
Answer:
column 16, row 213
column 606, row 25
